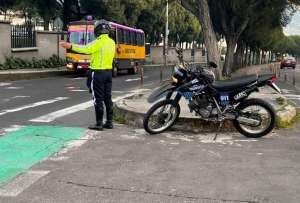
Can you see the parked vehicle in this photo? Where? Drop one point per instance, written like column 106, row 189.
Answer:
column 130, row 43
column 211, row 100
column 288, row 62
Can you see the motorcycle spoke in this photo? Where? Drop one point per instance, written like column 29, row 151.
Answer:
column 257, row 113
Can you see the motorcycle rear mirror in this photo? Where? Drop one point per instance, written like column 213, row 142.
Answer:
column 213, row 65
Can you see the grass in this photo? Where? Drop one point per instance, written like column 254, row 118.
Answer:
column 280, row 101
column 118, row 117
column 285, row 124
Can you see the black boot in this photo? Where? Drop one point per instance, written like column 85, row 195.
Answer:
column 109, row 118
column 99, row 120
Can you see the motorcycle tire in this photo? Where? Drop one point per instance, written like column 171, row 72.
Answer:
column 153, row 109
column 267, row 107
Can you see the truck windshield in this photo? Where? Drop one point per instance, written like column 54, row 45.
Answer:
column 81, row 38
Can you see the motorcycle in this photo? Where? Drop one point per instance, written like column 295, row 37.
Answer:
column 211, row 100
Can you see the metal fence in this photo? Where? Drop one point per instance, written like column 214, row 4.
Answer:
column 23, row 36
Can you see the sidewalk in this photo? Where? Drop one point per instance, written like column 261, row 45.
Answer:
column 25, row 74
column 131, row 111
column 126, row 165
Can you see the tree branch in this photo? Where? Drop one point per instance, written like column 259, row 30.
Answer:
column 243, row 26
column 188, row 6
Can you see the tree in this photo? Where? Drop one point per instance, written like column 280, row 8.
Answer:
column 47, row 9
column 132, row 10
column 6, row 5
column 152, row 20
column 200, row 9
column 71, row 11
column 27, row 9
column 180, row 30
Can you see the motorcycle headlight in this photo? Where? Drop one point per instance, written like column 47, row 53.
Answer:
column 174, row 80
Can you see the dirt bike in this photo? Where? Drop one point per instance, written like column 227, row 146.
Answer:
column 212, row 100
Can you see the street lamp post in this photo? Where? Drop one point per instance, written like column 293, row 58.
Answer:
column 165, row 42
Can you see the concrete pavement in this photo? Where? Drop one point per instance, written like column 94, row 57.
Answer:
column 131, row 110
column 126, row 165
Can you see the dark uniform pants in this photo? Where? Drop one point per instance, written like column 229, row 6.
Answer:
column 99, row 83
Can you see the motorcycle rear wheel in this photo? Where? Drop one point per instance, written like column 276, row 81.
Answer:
column 266, row 112
column 166, row 117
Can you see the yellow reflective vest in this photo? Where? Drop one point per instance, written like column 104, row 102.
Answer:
column 102, row 52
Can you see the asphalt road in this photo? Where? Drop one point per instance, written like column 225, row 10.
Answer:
column 23, row 101
column 290, row 89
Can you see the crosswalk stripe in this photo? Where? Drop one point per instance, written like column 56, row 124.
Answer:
column 63, row 112
column 70, row 110
column 18, row 185
column 6, row 111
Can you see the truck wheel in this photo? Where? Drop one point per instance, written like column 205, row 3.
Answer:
column 133, row 70
column 115, row 71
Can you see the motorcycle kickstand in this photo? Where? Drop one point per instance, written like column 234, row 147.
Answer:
column 219, row 129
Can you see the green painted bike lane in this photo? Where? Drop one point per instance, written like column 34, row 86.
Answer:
column 22, row 149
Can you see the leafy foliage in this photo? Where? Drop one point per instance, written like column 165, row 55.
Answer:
column 18, row 63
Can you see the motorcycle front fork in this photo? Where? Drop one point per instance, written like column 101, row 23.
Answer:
column 175, row 101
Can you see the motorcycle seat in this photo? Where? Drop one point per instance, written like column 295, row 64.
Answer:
column 264, row 77
column 229, row 85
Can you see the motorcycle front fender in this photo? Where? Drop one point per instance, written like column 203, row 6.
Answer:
column 165, row 90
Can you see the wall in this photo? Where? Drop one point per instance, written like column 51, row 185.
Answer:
column 157, row 57
column 255, row 69
column 46, row 45
column 5, row 40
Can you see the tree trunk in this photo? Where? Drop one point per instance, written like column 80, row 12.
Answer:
column 270, row 56
column 210, row 38
column 231, row 44
column 245, row 52
column 245, row 60
column 257, row 57
column 238, row 62
column 46, row 24
column 250, row 58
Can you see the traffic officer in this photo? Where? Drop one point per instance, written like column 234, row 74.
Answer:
column 99, row 81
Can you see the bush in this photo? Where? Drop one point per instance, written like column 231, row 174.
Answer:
column 16, row 63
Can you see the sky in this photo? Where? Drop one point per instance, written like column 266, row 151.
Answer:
column 294, row 27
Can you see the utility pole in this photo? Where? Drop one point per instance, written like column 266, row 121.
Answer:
column 165, row 42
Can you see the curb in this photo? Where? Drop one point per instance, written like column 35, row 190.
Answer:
column 126, row 116
column 285, row 118
column 26, row 75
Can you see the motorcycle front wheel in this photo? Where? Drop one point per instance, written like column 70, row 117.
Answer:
column 260, row 111
column 161, row 116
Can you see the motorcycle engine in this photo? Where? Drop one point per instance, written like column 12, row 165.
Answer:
column 201, row 105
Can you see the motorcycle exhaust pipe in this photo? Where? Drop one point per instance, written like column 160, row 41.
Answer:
column 248, row 121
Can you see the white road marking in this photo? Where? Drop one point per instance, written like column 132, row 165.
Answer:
column 14, row 88
column 16, row 97
column 21, row 183
column 78, row 90
column 6, row 111
column 117, row 92
column 78, row 78
column 59, row 158
column 79, row 142
column 73, row 109
column 63, row 112
column 10, row 129
column 2, row 84
column 134, row 79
